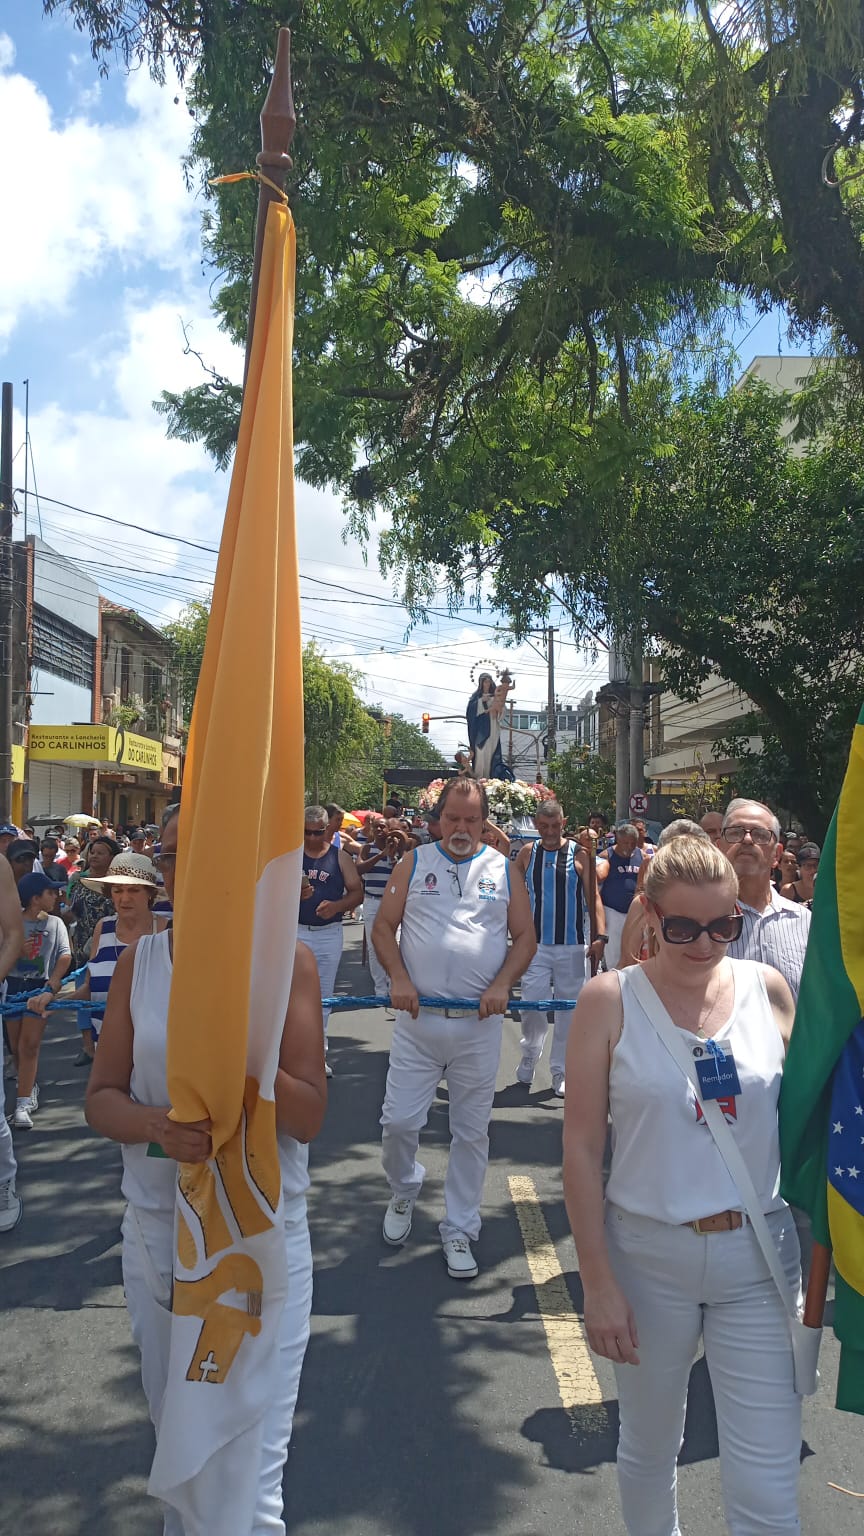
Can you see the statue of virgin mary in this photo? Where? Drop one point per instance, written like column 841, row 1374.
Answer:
column 483, row 715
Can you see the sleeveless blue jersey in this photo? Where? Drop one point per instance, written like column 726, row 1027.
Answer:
column 556, row 894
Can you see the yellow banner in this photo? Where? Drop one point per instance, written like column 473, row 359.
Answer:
column 94, row 744
column 18, row 765
column 70, row 743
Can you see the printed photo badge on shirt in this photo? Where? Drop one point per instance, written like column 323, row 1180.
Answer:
column 430, row 885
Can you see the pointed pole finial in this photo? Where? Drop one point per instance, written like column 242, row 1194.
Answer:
column 278, row 122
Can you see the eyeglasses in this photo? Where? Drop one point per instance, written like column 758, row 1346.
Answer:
column 314, row 831
column 455, row 882
column 162, row 860
column 737, row 834
column 686, row 930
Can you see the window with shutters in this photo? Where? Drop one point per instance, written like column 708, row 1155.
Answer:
column 62, row 648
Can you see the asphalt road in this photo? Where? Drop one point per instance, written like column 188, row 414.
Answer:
column 427, row 1406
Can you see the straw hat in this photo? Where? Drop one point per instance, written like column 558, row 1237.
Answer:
column 126, row 869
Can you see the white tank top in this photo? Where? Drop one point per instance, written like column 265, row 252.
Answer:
column 149, row 1183
column 454, row 927
column 665, row 1163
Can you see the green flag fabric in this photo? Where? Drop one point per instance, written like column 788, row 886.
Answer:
column 822, row 1097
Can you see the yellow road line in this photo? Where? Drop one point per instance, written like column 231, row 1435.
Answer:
column 578, row 1386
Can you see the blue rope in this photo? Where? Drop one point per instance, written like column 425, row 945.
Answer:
column 18, row 1004
column 551, row 1005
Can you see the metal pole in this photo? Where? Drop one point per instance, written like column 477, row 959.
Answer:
column 26, row 449
column 637, row 721
column 551, row 718
column 6, row 604
column 622, row 761
column 510, row 748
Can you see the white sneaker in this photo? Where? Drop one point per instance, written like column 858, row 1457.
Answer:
column 328, row 1070
column 10, row 1206
column 21, row 1120
column 525, row 1071
column 558, row 1084
column 460, row 1261
column 34, row 1099
column 397, row 1220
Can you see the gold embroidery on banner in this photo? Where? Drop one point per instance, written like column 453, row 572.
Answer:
column 223, row 1327
column 186, row 1251
column 262, row 1157
column 198, row 1187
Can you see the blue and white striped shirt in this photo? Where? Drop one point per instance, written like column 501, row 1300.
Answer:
column 556, row 895
column 777, row 936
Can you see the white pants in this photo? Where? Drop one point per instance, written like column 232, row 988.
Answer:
column 147, row 1259
column 466, row 1051
column 557, row 970
column 380, row 979
column 326, row 945
column 682, row 1286
column 615, row 928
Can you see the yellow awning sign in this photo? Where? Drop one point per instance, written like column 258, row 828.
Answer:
column 18, row 765
column 93, row 744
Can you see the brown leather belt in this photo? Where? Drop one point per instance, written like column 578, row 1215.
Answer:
column 724, row 1221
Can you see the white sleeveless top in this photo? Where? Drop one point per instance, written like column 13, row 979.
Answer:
column 150, row 1183
column 665, row 1163
column 454, row 927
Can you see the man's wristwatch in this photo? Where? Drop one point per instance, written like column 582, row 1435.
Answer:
column 601, row 938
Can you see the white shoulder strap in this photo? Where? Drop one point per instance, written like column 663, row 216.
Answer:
column 726, row 1144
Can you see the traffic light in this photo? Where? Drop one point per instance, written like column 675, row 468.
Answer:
column 426, row 719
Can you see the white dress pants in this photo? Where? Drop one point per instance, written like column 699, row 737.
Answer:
column 148, row 1246
column 326, row 945
column 466, row 1051
column 557, row 970
column 380, row 979
column 683, row 1286
column 615, row 928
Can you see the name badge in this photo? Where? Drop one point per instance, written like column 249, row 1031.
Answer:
column 716, row 1070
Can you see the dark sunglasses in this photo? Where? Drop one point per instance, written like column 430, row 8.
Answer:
column 686, row 930
column 314, row 831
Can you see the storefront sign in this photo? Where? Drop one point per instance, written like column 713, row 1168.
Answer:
column 94, row 744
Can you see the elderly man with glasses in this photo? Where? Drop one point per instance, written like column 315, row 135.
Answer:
column 455, row 903
column 330, row 887
column 775, row 930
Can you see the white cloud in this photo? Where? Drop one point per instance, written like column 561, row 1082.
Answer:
column 81, row 195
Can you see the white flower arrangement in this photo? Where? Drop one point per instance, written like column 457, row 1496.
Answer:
column 509, row 799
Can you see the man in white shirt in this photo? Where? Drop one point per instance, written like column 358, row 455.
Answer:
column 455, row 903
column 775, row 930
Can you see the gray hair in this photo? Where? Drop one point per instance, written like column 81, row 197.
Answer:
column 681, row 828
column 549, row 808
column 316, row 815
column 626, row 829
column 736, row 805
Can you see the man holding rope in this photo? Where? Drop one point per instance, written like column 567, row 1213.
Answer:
column 455, row 904
column 570, row 929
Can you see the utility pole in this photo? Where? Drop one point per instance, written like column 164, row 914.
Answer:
column 510, row 748
column 6, row 606
column 637, row 720
column 619, row 702
column 551, row 712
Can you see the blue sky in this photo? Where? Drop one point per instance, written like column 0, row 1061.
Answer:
column 98, row 274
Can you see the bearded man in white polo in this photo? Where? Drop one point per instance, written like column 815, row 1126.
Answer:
column 455, row 903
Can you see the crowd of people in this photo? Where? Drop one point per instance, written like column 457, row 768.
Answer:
column 710, row 927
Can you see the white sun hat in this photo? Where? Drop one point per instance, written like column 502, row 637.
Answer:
column 126, row 869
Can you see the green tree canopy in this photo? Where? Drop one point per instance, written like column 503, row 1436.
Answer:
column 187, row 634
column 339, row 733
column 583, row 782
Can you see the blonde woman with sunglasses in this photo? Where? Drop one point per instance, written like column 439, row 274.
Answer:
column 667, row 1257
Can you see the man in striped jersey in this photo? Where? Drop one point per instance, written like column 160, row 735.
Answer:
column 557, row 875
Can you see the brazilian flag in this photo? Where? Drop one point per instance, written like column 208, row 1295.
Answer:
column 822, row 1098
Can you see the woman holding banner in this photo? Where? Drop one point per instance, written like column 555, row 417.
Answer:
column 127, row 1100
